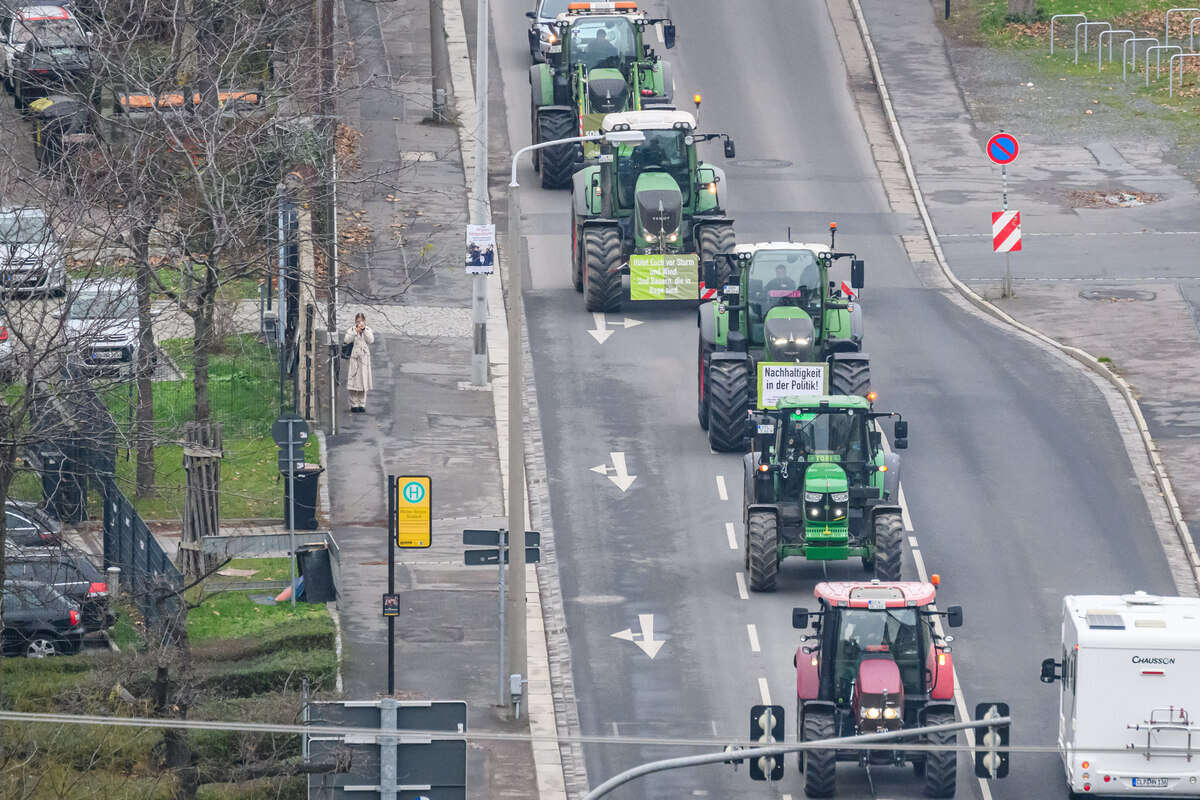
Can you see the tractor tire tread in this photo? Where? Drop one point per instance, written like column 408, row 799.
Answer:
column 601, row 257
column 762, row 549
column 820, row 766
column 850, row 378
column 728, row 400
column 713, row 239
column 558, row 162
column 941, row 766
column 889, row 545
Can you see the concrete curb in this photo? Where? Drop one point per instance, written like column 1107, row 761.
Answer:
column 1082, row 357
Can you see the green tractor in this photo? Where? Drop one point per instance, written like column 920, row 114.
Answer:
column 600, row 65
column 645, row 209
column 779, row 316
column 818, row 485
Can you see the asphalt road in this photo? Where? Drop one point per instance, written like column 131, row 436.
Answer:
column 1018, row 487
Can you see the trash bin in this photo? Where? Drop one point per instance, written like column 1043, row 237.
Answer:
column 306, row 498
column 317, row 571
column 63, row 486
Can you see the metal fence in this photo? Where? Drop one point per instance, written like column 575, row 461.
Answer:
column 147, row 575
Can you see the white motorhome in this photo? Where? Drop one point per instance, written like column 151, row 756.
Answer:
column 1129, row 706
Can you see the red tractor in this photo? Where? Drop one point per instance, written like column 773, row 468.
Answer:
column 875, row 661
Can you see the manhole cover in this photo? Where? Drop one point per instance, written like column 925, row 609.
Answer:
column 1118, row 295
column 763, row 163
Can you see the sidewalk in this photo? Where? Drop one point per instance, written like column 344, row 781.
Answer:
column 1117, row 282
column 409, row 281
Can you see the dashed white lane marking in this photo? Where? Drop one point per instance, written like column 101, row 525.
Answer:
column 752, row 632
column 658, row 30
column 721, row 491
column 741, row 581
column 764, row 692
column 785, row 797
column 912, row 541
column 919, row 561
column 908, row 526
column 731, row 535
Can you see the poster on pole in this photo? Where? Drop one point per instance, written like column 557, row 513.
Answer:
column 777, row 380
column 673, row 276
column 481, row 249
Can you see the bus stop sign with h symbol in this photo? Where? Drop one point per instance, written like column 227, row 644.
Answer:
column 1003, row 149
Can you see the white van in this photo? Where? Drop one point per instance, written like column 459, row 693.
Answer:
column 1129, row 709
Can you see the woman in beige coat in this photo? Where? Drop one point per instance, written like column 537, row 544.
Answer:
column 358, row 378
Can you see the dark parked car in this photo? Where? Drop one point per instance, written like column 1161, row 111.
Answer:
column 26, row 525
column 39, row 621
column 71, row 573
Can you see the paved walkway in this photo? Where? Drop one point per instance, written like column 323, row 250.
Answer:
column 1116, row 282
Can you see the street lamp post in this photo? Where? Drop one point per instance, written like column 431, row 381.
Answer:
column 514, row 634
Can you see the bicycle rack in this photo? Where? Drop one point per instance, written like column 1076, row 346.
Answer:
column 1167, row 22
column 1192, row 33
column 1100, row 46
column 1058, row 17
column 1133, row 40
column 1177, row 720
column 1158, row 60
column 1171, row 71
column 1085, row 26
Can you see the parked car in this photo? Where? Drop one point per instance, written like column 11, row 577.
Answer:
column 51, row 62
column 22, row 24
column 31, row 256
column 39, row 621
column 70, row 572
column 102, row 325
column 26, row 525
column 543, row 33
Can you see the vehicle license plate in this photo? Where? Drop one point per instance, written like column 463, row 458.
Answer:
column 106, row 355
column 1150, row 783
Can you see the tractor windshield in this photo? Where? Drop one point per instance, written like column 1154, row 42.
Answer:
column 826, row 437
column 898, row 631
column 784, row 278
column 662, row 151
column 605, row 42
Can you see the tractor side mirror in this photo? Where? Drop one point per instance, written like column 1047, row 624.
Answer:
column 1051, row 671
column 901, row 434
column 876, row 440
column 710, row 276
column 669, row 35
column 799, row 618
column 954, row 617
column 531, row 14
column 857, row 273
column 730, row 148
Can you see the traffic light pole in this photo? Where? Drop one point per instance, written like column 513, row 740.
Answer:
column 845, row 742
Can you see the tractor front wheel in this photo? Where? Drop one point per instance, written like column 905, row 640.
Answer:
column 557, row 162
column 850, row 377
column 703, row 361
column 941, row 766
column 820, row 766
column 889, row 545
column 602, row 268
column 762, row 550
column 713, row 239
column 576, row 257
column 728, row 395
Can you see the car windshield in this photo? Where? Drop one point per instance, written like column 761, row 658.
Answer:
column 825, row 437
column 102, row 304
column 45, row 29
column 896, row 631
column 605, row 42
column 662, row 150
column 23, row 228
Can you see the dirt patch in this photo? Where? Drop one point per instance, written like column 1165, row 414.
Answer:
column 1109, row 198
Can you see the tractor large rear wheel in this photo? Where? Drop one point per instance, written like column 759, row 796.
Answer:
column 762, row 550
column 941, row 766
column 850, row 377
column 703, row 361
column 713, row 239
column 557, row 162
column 820, row 766
column 889, row 545
column 576, row 257
column 728, row 390
column 602, row 268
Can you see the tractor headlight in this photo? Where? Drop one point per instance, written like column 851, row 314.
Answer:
column 872, row 713
column 813, row 497
column 840, row 497
column 649, row 237
column 673, row 237
column 891, row 713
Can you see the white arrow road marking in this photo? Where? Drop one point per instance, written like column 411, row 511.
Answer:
column 645, row 639
column 601, row 332
column 620, row 476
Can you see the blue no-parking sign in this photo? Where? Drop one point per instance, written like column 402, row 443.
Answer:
column 1003, row 149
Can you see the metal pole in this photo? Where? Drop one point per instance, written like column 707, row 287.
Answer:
column 292, row 503
column 779, row 750
column 1004, row 207
column 515, row 634
column 947, row 9
column 439, row 58
column 481, row 213
column 500, row 664
column 391, row 621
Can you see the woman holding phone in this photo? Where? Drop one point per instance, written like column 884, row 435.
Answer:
column 359, row 379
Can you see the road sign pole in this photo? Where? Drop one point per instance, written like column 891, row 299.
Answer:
column 292, row 503
column 391, row 621
column 1008, row 292
column 500, row 667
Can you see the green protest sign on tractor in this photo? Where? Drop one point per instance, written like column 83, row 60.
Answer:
column 664, row 277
